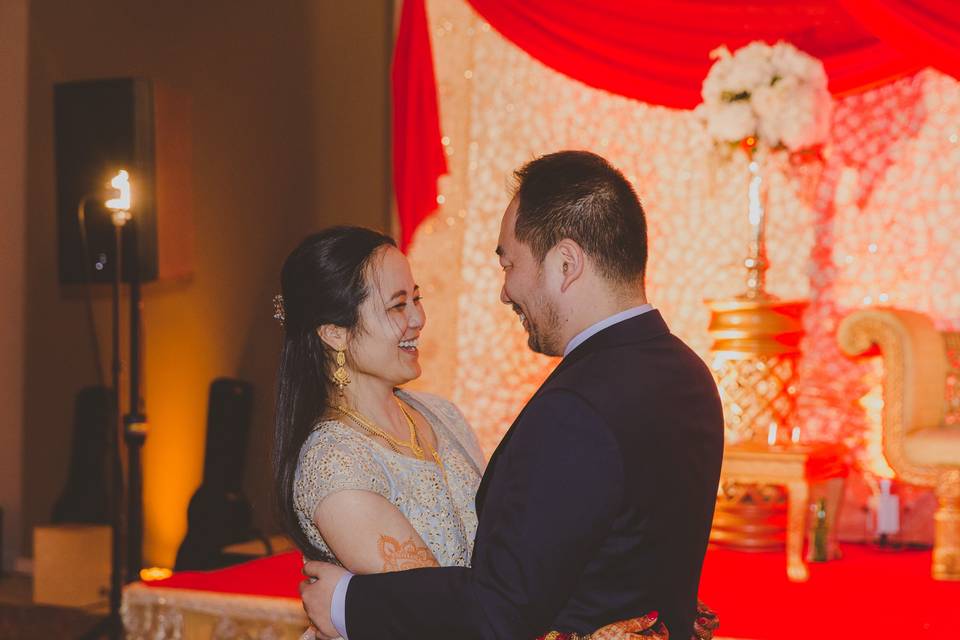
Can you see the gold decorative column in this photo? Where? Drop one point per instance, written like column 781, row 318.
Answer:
column 754, row 358
column 756, row 336
column 755, row 354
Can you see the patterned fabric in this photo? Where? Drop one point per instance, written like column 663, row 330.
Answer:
column 337, row 457
column 706, row 622
column 646, row 626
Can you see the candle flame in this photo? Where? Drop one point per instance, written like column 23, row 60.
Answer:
column 155, row 573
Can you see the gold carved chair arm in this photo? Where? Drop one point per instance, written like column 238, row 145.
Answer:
column 915, row 369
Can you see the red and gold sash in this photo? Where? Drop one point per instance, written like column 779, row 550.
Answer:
column 647, row 626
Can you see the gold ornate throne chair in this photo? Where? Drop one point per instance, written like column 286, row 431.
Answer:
column 921, row 411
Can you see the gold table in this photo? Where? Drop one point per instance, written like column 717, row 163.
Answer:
column 790, row 467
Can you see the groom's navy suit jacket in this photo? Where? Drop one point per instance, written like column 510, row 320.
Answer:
column 596, row 506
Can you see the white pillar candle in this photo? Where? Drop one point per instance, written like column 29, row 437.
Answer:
column 888, row 510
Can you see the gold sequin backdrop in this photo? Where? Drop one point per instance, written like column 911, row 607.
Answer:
column 878, row 223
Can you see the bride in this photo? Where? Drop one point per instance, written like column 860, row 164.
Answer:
column 369, row 476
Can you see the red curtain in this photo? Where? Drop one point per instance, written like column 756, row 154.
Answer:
column 418, row 158
column 658, row 51
column 928, row 31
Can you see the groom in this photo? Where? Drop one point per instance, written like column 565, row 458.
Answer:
column 596, row 506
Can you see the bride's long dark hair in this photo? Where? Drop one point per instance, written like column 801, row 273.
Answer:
column 322, row 282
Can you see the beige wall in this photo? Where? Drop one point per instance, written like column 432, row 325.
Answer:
column 13, row 118
column 290, row 133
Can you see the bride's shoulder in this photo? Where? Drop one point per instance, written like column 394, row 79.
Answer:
column 331, row 437
column 333, row 450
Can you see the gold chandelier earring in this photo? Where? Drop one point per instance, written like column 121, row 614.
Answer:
column 340, row 376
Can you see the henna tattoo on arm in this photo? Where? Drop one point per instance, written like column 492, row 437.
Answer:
column 400, row 556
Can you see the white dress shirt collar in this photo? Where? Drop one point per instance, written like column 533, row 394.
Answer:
column 603, row 324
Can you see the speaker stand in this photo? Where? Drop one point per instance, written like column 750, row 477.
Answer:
column 134, row 423
column 112, row 626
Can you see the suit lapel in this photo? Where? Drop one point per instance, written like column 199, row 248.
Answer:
column 491, row 464
column 642, row 327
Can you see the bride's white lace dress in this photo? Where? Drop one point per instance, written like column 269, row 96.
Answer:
column 336, row 457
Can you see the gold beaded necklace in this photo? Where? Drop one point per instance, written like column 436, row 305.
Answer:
column 433, row 452
column 395, row 443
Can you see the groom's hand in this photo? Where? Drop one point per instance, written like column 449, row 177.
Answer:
column 317, row 592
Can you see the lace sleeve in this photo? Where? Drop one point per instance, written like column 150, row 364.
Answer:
column 332, row 460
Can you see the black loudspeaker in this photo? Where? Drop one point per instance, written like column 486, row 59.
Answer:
column 219, row 514
column 102, row 126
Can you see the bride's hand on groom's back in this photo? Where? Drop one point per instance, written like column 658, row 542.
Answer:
column 367, row 534
column 317, row 592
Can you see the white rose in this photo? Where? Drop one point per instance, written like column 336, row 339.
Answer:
column 753, row 67
column 794, row 110
column 786, row 60
column 732, row 122
column 797, row 132
column 806, row 123
column 769, row 101
column 717, row 80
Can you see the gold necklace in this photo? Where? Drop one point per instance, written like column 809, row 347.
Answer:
column 395, row 443
column 443, row 471
column 433, row 452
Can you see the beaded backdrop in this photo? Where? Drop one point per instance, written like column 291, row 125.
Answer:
column 876, row 223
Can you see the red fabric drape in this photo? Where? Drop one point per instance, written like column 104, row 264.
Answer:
column 927, row 31
column 418, row 158
column 658, row 51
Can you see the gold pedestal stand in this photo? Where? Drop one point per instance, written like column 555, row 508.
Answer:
column 755, row 353
column 755, row 356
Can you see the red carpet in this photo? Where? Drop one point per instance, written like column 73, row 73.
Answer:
column 868, row 594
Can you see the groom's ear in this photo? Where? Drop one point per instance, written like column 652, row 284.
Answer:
column 571, row 262
column 333, row 336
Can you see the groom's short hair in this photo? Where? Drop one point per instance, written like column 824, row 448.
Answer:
column 580, row 196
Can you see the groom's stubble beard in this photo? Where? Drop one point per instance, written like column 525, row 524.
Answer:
column 543, row 336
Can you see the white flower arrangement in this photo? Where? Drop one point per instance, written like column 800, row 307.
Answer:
column 774, row 96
